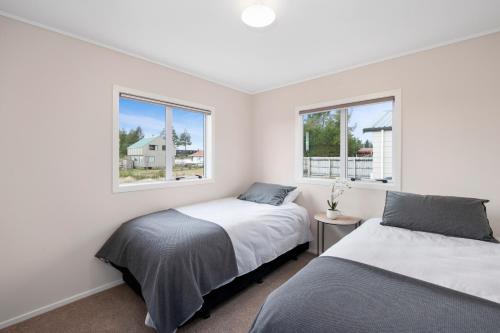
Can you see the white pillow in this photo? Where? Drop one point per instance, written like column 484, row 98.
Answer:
column 291, row 197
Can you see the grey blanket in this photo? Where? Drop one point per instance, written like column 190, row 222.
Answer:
column 176, row 259
column 338, row 295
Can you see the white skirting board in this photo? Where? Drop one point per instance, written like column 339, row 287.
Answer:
column 58, row 304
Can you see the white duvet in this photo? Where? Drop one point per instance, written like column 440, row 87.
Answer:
column 259, row 232
column 465, row 265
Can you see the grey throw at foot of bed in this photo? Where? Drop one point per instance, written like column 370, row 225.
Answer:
column 176, row 259
column 337, row 295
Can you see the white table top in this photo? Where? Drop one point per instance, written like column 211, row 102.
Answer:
column 340, row 220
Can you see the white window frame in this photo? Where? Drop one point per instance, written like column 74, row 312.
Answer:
column 395, row 185
column 208, row 149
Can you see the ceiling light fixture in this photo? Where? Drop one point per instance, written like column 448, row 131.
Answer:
column 258, row 16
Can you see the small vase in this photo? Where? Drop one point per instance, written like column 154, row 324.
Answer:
column 332, row 214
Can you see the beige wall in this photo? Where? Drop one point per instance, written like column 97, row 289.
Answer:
column 56, row 204
column 55, row 211
column 450, row 125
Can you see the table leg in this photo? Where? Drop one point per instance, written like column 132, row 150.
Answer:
column 323, row 238
column 317, row 238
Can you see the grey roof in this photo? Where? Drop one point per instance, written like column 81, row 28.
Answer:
column 383, row 123
column 142, row 142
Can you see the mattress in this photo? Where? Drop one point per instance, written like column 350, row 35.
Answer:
column 464, row 265
column 259, row 232
column 386, row 279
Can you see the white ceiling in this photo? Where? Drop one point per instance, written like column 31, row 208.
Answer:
column 309, row 38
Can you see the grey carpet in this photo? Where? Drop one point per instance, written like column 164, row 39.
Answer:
column 120, row 310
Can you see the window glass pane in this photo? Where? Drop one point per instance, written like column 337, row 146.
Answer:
column 321, row 144
column 369, row 143
column 142, row 130
column 189, row 139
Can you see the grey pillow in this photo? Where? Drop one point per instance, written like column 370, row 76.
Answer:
column 271, row 194
column 450, row 216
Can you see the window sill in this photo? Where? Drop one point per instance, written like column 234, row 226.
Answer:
column 354, row 184
column 160, row 185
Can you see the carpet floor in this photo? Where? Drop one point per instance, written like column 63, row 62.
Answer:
column 119, row 309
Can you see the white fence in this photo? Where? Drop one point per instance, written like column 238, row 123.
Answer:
column 145, row 162
column 329, row 167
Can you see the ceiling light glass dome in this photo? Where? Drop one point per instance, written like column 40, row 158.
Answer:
column 258, row 16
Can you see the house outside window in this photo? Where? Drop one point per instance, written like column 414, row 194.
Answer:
column 145, row 122
column 355, row 139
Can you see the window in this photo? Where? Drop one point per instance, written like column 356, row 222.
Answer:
column 355, row 139
column 143, row 124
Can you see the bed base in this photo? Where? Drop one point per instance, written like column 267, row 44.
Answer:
column 226, row 291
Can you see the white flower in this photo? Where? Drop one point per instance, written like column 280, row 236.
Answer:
column 338, row 189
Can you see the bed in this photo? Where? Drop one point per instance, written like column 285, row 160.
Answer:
column 387, row 279
column 177, row 257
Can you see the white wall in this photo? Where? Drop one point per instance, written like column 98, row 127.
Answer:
column 57, row 208
column 450, row 125
column 382, row 154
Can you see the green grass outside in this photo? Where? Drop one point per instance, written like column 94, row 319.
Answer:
column 147, row 175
